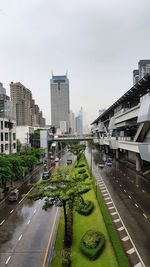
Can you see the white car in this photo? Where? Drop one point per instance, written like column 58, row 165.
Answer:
column 56, row 159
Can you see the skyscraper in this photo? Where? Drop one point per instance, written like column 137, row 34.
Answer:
column 59, row 88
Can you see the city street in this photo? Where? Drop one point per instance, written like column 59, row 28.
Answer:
column 131, row 195
column 27, row 233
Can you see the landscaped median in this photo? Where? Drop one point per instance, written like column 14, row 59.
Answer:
column 91, row 245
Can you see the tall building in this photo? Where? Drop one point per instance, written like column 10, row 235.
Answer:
column 27, row 112
column 143, row 69
column 7, row 124
column 59, row 88
column 21, row 98
column 79, row 122
column 72, row 122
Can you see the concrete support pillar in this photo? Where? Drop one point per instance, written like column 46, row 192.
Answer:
column 117, row 153
column 106, row 149
column 138, row 162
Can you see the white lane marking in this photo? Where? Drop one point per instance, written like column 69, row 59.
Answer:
column 125, row 238
column 143, row 191
column 143, row 265
column 131, row 251
column 136, row 205
column 103, row 190
column 2, row 222
column 106, row 194
column 125, row 191
column 139, row 264
column 117, row 220
column 20, row 237
column 129, row 197
column 20, row 200
column 120, row 185
column 114, row 213
column 8, row 260
column 11, row 211
column 120, row 228
column 106, row 198
column 28, row 222
column 34, row 211
column 144, row 215
column 110, row 202
column 110, row 208
column 40, row 201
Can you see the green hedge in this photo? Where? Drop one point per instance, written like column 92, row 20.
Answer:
column 92, row 253
column 85, row 209
column 119, row 252
column 81, row 170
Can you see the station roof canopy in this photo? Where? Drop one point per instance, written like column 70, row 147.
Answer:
column 138, row 90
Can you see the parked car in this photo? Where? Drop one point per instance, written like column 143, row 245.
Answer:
column 56, row 159
column 46, row 175
column 13, row 196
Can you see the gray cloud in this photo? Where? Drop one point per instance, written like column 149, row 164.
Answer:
column 99, row 42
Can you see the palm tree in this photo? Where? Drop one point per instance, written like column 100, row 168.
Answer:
column 60, row 189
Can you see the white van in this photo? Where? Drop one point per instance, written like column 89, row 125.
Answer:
column 13, row 196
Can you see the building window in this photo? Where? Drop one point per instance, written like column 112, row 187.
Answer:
column 14, row 136
column 2, row 148
column 6, row 136
column 6, row 124
column 14, row 145
column 6, row 146
column 1, row 136
column 1, row 124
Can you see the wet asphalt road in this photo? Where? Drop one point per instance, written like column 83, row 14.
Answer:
column 26, row 230
column 131, row 195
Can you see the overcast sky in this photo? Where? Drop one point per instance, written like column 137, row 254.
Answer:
column 98, row 42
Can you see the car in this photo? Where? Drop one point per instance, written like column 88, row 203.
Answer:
column 101, row 165
column 56, row 159
column 53, row 163
column 13, row 196
column 69, row 161
column 109, row 162
column 46, row 175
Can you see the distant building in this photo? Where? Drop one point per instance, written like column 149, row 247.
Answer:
column 135, row 76
column 72, row 122
column 59, row 89
column 27, row 112
column 7, row 124
column 143, row 69
column 79, row 122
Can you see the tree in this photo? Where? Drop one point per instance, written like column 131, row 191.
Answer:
column 77, row 149
column 18, row 146
column 60, row 189
column 6, row 173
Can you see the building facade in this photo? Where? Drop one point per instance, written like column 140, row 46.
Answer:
column 7, row 124
column 124, row 127
column 60, row 106
column 27, row 112
column 143, row 69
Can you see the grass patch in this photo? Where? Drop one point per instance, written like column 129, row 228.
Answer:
column 83, row 224
column 57, row 260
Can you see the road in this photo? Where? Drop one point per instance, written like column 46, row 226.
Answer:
column 131, row 195
column 27, row 232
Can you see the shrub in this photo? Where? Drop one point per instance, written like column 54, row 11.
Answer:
column 85, row 175
column 80, row 165
column 83, row 170
column 85, row 208
column 66, row 262
column 92, row 244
